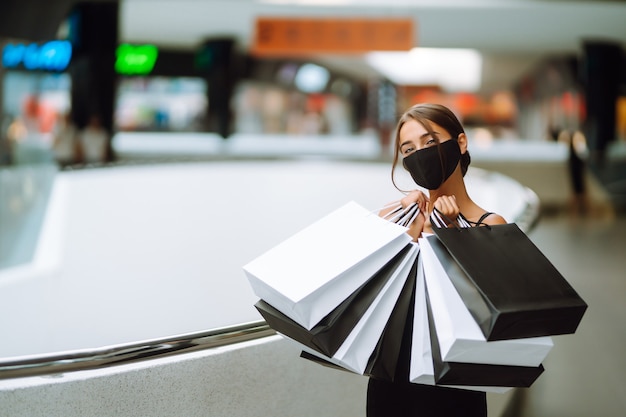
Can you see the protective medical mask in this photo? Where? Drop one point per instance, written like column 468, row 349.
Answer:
column 428, row 169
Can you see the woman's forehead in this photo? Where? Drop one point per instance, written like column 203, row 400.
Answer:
column 419, row 128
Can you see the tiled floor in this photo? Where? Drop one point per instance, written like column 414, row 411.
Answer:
column 585, row 372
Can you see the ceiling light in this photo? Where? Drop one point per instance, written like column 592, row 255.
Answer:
column 311, row 78
column 453, row 70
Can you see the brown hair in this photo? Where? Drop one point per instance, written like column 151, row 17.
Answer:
column 424, row 114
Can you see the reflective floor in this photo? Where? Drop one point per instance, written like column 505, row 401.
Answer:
column 584, row 372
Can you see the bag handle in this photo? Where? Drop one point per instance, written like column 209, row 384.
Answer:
column 399, row 215
column 441, row 221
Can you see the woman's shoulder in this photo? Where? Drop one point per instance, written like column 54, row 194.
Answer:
column 490, row 218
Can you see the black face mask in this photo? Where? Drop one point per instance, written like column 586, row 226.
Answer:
column 428, row 169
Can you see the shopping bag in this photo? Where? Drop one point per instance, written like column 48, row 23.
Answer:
column 306, row 276
column 473, row 374
column 419, row 361
column 355, row 352
column 459, row 336
column 509, row 286
column 383, row 362
column 328, row 335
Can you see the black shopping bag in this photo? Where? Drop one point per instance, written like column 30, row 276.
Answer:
column 328, row 335
column 510, row 287
column 385, row 361
column 473, row 374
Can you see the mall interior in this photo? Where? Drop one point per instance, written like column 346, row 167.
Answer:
column 131, row 130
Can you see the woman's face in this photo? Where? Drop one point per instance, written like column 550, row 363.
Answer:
column 414, row 136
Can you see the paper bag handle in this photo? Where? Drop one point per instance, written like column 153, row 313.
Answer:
column 441, row 221
column 402, row 216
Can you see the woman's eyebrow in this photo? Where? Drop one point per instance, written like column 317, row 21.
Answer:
column 406, row 142
column 435, row 135
column 422, row 137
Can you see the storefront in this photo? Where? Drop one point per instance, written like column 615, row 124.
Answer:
column 296, row 98
column 36, row 90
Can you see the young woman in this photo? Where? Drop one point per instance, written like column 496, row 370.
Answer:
column 432, row 145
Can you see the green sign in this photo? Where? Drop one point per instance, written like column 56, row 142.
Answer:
column 135, row 59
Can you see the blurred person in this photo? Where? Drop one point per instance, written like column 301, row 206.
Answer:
column 433, row 147
column 313, row 123
column 577, row 150
column 16, row 131
column 6, row 140
column 65, row 143
column 30, row 112
column 94, row 141
column 313, row 120
column 553, row 132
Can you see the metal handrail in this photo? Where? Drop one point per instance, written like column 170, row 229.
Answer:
column 122, row 354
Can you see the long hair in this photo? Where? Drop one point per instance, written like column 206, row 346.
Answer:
column 425, row 114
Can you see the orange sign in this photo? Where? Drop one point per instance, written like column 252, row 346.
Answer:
column 297, row 36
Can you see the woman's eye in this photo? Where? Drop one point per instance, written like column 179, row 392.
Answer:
column 408, row 150
column 430, row 141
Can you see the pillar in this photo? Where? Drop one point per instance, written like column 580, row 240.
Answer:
column 601, row 71
column 218, row 64
column 92, row 69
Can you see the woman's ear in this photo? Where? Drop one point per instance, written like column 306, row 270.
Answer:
column 462, row 140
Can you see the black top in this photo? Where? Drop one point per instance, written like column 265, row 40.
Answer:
column 482, row 218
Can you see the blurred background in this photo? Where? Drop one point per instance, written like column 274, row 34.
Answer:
column 548, row 75
column 142, row 90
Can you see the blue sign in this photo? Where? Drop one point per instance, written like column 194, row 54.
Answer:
column 51, row 56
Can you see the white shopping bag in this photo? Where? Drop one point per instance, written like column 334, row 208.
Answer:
column 460, row 338
column 421, row 366
column 356, row 350
column 308, row 275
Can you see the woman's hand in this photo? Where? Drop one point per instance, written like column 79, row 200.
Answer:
column 446, row 204
column 414, row 197
column 417, row 225
column 417, row 197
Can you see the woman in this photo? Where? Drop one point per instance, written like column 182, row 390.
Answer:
column 433, row 147
column 65, row 146
column 94, row 140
